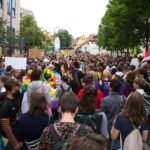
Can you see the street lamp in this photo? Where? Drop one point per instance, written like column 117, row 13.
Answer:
column 11, row 5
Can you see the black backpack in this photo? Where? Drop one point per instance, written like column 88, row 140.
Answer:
column 63, row 91
column 146, row 104
column 94, row 121
column 59, row 141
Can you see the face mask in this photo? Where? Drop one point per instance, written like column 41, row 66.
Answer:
column 16, row 94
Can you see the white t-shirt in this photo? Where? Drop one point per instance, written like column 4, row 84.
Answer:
column 134, row 62
column 141, row 91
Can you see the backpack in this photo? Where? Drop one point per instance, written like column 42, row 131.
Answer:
column 146, row 103
column 105, row 87
column 133, row 141
column 94, row 121
column 63, row 91
column 59, row 141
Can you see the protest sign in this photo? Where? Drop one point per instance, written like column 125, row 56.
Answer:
column 15, row 62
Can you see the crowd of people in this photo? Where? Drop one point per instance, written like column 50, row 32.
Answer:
column 75, row 102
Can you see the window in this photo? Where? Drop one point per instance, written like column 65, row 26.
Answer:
column 8, row 7
column 13, row 7
column 1, row 3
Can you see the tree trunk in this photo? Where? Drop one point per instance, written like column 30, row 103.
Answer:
column 147, row 35
column 127, row 54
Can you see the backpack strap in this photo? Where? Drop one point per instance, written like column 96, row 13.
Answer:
column 42, row 88
column 62, row 89
column 123, row 101
column 134, row 127
column 68, row 89
column 80, row 130
column 54, row 133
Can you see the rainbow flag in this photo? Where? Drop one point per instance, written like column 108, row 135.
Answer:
column 25, row 83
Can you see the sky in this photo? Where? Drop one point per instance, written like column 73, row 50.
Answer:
column 79, row 17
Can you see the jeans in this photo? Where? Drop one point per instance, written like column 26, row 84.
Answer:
column 115, row 145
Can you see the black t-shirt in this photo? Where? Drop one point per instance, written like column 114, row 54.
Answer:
column 79, row 74
column 30, row 127
column 8, row 110
column 74, row 85
column 124, row 125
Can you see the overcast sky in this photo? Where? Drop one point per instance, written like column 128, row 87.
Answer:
column 79, row 17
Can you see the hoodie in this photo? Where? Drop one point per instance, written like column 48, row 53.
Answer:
column 40, row 87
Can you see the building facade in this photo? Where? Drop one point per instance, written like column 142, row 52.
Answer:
column 79, row 41
column 24, row 12
column 5, row 13
column 90, row 46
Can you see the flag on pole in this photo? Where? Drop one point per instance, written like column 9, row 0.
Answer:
column 146, row 57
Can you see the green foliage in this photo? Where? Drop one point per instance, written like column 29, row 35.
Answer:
column 65, row 37
column 46, row 45
column 12, row 40
column 32, row 34
column 2, row 32
column 124, row 25
column 7, row 40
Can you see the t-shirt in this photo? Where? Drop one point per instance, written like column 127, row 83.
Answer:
column 8, row 110
column 135, row 62
column 80, row 76
column 124, row 125
column 74, row 85
column 65, row 130
column 30, row 127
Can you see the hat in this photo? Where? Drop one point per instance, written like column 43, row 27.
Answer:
column 120, row 74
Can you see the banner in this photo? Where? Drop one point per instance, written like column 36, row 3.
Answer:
column 15, row 62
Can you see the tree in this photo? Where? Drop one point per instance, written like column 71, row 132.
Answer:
column 46, row 45
column 124, row 25
column 2, row 32
column 6, row 39
column 65, row 37
column 31, row 33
